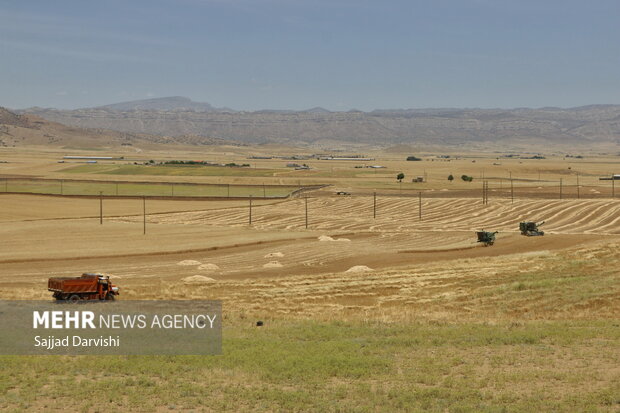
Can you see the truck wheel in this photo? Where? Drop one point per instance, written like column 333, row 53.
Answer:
column 74, row 297
column 110, row 297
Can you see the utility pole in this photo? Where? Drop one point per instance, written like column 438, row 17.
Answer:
column 250, row 209
column 486, row 192
column 144, row 215
column 374, row 205
column 100, row 208
column 512, row 192
column 578, row 194
column 306, row 212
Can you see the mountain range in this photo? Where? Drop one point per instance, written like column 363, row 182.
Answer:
column 177, row 116
column 27, row 129
column 170, row 103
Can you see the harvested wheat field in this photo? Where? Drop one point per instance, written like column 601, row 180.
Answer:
column 386, row 308
column 362, row 207
column 396, row 251
column 341, row 234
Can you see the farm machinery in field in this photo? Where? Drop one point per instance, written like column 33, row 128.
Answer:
column 530, row 228
column 486, row 238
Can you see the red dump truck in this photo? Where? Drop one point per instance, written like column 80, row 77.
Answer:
column 87, row 287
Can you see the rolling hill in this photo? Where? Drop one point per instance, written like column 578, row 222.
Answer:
column 18, row 130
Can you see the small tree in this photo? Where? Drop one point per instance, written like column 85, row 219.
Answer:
column 400, row 176
column 450, row 178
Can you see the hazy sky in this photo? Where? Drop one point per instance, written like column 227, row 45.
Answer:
column 296, row 54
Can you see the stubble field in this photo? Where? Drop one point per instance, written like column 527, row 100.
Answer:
column 389, row 313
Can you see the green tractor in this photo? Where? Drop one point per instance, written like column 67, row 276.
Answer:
column 530, row 228
column 487, row 238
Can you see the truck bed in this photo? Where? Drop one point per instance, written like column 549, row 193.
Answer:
column 84, row 284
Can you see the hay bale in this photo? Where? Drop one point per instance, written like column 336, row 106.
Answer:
column 327, row 238
column 274, row 255
column 208, row 267
column 358, row 269
column 273, row 264
column 189, row 262
column 197, row 279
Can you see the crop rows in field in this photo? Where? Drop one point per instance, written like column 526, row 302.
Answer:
column 402, row 215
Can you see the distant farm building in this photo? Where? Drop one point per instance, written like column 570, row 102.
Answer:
column 333, row 158
column 99, row 158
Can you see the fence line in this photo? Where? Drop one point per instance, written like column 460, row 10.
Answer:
column 154, row 189
column 511, row 193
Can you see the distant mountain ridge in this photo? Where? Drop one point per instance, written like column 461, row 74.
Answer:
column 19, row 130
column 12, row 119
column 172, row 103
column 179, row 116
column 180, row 103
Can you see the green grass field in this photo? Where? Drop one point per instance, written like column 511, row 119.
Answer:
column 342, row 366
column 169, row 170
column 340, row 172
column 142, row 189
